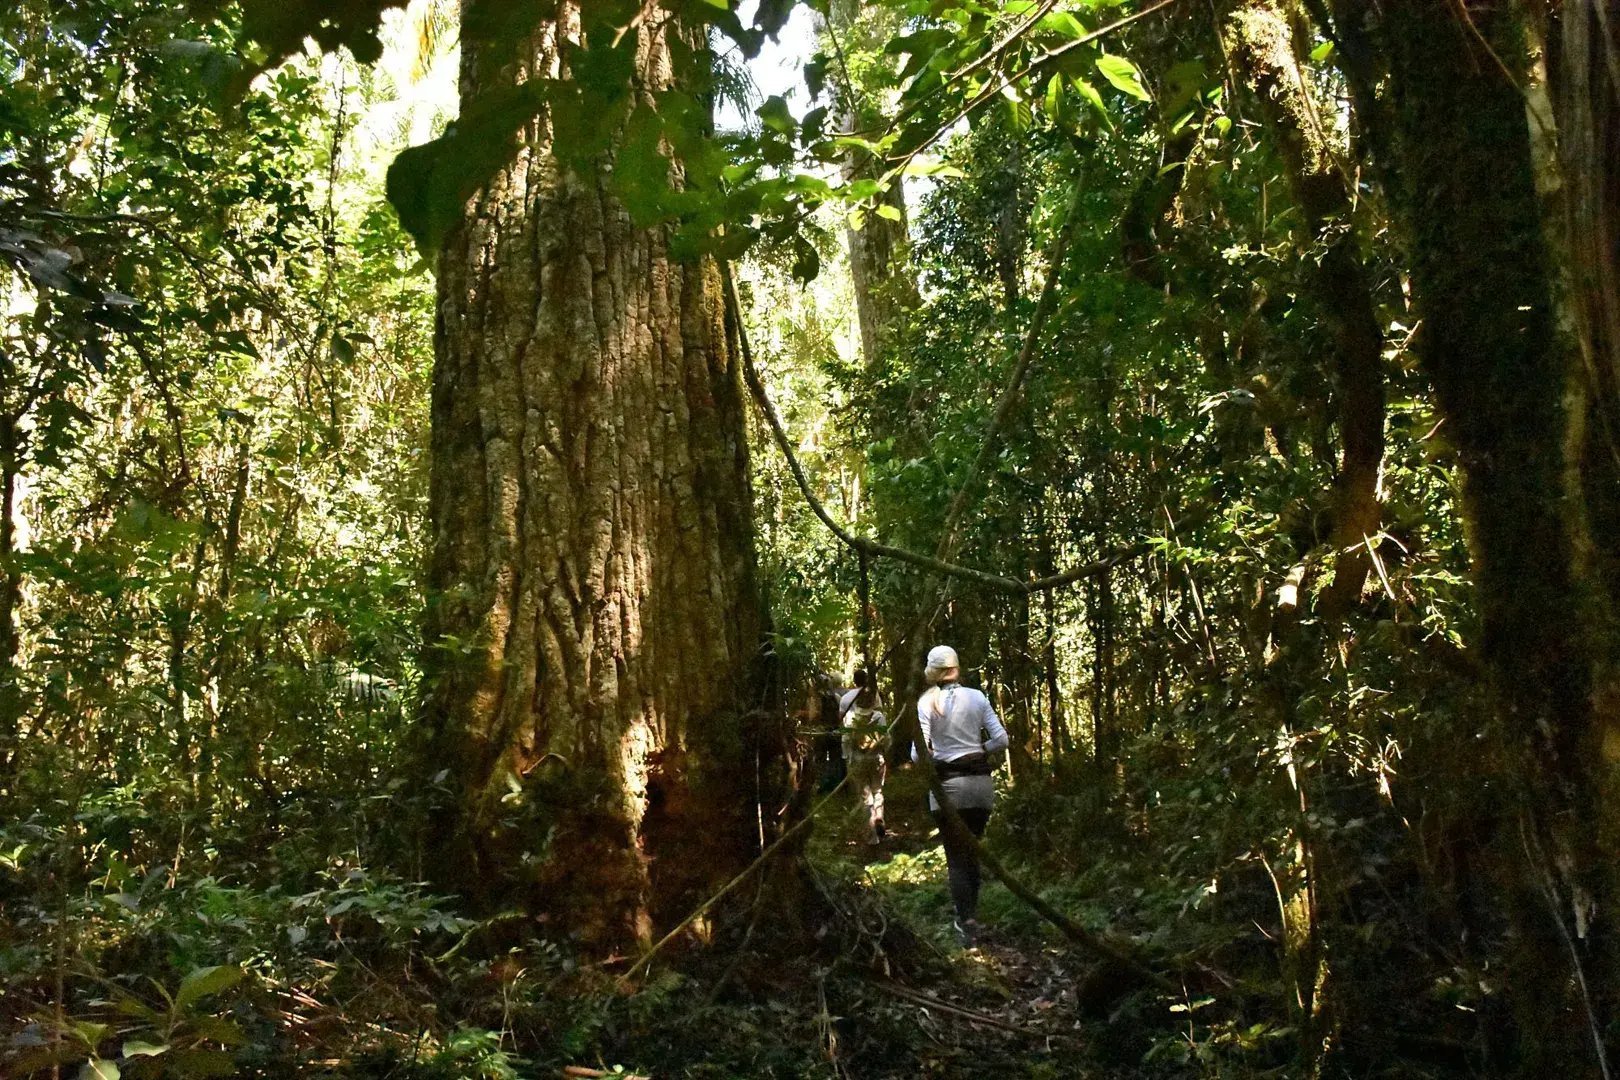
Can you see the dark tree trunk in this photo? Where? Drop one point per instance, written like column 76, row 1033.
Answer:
column 1010, row 230
column 595, row 622
column 1047, row 565
column 1584, row 50
column 1583, row 46
column 10, row 598
column 1482, row 285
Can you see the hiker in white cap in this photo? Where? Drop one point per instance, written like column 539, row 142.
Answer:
column 960, row 731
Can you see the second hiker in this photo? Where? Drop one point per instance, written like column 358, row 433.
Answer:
column 865, row 733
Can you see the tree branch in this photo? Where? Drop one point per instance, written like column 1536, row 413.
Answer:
column 876, row 548
column 995, row 88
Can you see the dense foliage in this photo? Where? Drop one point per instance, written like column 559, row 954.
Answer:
column 1335, row 779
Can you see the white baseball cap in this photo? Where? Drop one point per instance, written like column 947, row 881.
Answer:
column 943, row 658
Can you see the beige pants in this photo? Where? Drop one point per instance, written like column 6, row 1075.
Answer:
column 866, row 773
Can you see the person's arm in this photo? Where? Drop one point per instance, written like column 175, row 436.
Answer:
column 996, row 734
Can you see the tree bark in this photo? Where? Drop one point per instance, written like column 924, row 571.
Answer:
column 595, row 621
column 884, row 288
column 1483, row 287
column 1584, row 62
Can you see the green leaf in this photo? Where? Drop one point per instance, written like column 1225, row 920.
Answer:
column 137, row 1048
column 858, row 143
column 933, row 168
column 1054, row 96
column 99, row 1070
column 889, row 213
column 772, row 15
column 217, row 1029
column 1019, row 114
column 89, row 1033
column 200, row 1064
column 428, row 185
column 1062, row 23
column 775, row 116
column 640, row 170
column 1090, row 93
column 204, row 981
column 135, row 1007
column 806, row 260
column 1123, row 74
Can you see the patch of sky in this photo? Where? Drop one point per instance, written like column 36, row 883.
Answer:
column 778, row 69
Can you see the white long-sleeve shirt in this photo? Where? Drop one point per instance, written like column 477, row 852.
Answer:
column 957, row 721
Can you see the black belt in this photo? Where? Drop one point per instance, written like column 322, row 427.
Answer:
column 967, row 765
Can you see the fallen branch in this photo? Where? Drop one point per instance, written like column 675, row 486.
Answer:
column 1112, row 949
column 927, row 1001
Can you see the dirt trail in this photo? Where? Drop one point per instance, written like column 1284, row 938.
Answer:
column 1007, row 1000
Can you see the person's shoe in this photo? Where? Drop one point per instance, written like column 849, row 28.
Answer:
column 967, row 932
column 880, row 831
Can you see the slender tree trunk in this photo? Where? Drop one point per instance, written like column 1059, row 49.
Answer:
column 1262, row 43
column 884, row 288
column 10, row 598
column 595, row 622
column 1047, row 565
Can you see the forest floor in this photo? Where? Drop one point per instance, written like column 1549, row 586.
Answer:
column 1007, row 1005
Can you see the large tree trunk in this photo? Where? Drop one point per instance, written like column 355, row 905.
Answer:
column 595, row 622
column 1483, row 287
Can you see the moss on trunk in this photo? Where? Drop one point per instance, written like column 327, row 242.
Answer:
column 1483, row 288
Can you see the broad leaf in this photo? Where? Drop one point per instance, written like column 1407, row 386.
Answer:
column 136, row 1048
column 204, row 981
column 428, row 185
column 1123, row 74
